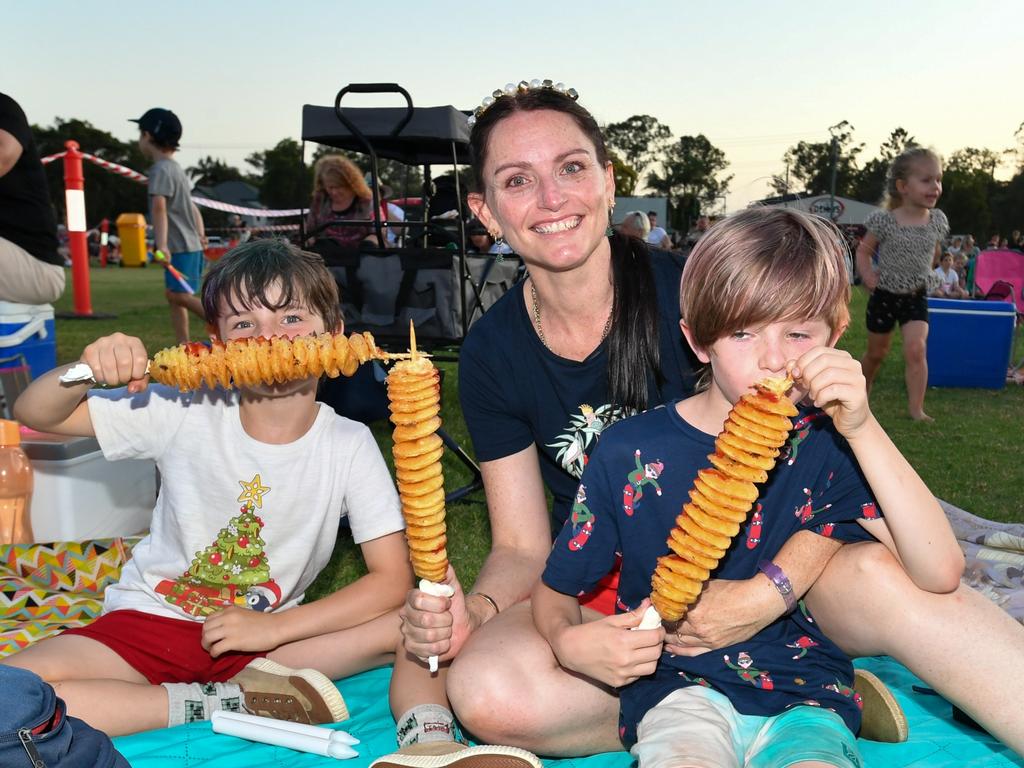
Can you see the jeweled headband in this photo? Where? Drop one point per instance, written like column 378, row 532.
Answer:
column 523, row 87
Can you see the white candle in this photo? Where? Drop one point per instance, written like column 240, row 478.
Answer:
column 255, row 729
column 327, row 734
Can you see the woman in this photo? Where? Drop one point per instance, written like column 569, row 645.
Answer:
column 552, row 363
column 636, row 224
column 340, row 194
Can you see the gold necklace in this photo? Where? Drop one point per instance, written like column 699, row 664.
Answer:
column 540, row 328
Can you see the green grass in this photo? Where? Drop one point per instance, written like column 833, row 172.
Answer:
column 972, row 456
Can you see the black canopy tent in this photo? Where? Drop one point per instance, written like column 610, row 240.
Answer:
column 432, row 136
column 416, row 281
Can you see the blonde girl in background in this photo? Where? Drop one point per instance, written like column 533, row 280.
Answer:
column 908, row 234
column 636, row 224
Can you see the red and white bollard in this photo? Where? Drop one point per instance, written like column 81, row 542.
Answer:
column 74, row 200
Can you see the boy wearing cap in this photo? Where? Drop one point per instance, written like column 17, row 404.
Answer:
column 177, row 225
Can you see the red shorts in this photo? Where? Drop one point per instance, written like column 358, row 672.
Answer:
column 162, row 649
column 602, row 598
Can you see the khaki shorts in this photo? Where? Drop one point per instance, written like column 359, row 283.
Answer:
column 26, row 279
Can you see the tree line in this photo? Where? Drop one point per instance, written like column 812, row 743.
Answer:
column 688, row 170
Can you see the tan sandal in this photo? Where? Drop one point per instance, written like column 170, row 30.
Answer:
column 882, row 717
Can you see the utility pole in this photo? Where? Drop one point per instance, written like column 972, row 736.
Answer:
column 832, row 183
column 834, row 129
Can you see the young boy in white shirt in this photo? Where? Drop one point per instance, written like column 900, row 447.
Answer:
column 207, row 615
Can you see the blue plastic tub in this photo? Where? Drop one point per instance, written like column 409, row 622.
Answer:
column 27, row 331
column 969, row 342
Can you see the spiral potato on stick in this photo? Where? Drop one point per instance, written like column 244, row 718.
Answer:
column 722, row 495
column 260, row 360
column 414, row 395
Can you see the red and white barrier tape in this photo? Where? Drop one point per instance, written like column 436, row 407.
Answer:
column 115, row 168
column 216, row 205
column 219, row 206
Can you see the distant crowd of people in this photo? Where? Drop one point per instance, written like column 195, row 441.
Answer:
column 954, row 266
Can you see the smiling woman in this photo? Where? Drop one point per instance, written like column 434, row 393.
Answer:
column 590, row 337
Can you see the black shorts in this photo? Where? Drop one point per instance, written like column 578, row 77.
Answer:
column 886, row 309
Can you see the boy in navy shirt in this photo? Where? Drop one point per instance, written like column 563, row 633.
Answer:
column 764, row 294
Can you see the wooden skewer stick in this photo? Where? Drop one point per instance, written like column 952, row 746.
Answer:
column 412, row 340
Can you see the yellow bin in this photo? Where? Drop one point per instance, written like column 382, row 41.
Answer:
column 131, row 228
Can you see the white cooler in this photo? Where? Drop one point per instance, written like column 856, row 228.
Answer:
column 80, row 495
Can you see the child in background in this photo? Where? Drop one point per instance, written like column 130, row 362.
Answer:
column 177, row 225
column 908, row 235
column 206, row 615
column 764, row 293
column 950, row 287
column 970, row 253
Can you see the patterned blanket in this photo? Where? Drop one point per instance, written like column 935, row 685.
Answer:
column 995, row 558
column 45, row 588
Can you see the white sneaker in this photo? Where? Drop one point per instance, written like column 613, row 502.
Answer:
column 450, row 754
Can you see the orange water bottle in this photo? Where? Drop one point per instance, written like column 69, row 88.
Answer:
column 15, row 487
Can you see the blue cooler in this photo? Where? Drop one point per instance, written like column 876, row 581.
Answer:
column 27, row 330
column 969, row 342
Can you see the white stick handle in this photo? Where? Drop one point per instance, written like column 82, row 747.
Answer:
column 76, row 373
column 437, row 590
column 327, row 734
column 650, row 619
column 278, row 737
column 80, row 372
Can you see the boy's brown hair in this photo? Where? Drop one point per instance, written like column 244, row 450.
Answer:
column 761, row 266
column 246, row 272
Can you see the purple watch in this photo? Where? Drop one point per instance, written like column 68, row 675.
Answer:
column 778, row 577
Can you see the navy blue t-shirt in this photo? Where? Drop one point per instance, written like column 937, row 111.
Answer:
column 515, row 391
column 632, row 490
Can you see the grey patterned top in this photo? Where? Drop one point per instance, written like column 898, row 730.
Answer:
column 905, row 253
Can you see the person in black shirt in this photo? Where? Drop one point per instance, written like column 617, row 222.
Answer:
column 32, row 268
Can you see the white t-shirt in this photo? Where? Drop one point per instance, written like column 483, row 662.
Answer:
column 949, row 279
column 395, row 213
column 657, row 236
column 502, row 248
column 238, row 521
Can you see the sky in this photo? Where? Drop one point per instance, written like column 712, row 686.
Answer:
column 754, row 77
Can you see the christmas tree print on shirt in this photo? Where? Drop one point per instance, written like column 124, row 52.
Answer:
column 233, row 570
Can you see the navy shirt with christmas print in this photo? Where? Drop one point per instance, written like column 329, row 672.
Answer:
column 631, row 492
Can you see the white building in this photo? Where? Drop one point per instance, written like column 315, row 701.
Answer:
column 843, row 210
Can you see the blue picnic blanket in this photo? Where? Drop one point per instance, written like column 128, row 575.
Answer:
column 936, row 740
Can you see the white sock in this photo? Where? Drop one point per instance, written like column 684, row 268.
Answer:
column 188, row 702
column 425, row 723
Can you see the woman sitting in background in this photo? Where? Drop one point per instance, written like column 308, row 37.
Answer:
column 340, row 195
